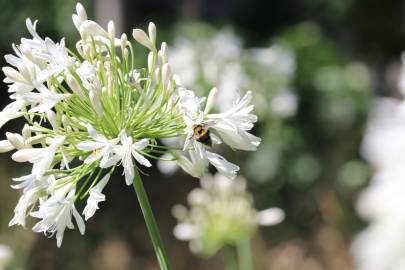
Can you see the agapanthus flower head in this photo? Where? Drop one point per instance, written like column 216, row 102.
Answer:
column 91, row 110
column 221, row 213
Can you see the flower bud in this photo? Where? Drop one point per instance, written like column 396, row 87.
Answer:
column 13, row 74
column 95, row 101
column 166, row 73
column 91, row 28
column 26, row 132
column 74, row 86
column 124, row 41
column 143, row 39
column 87, row 50
column 16, row 140
column 152, row 33
column 111, row 29
column 81, row 12
column 210, row 100
column 163, row 53
column 52, row 118
column 126, row 53
column 150, row 61
column 6, row 146
column 25, row 154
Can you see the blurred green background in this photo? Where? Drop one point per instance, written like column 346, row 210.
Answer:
column 314, row 67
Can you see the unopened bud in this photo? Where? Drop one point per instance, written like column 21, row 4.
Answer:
column 111, row 29
column 52, row 118
column 26, row 132
column 163, row 53
column 87, row 50
column 16, row 140
column 150, row 61
column 74, row 86
column 152, row 33
column 210, row 100
column 81, row 12
column 6, row 146
column 166, row 73
column 95, row 101
column 143, row 39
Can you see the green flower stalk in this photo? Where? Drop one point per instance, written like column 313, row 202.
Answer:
column 91, row 111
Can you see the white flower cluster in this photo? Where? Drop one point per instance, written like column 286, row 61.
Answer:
column 221, row 213
column 382, row 244
column 92, row 110
column 219, row 59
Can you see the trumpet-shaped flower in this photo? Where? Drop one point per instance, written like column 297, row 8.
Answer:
column 56, row 214
column 95, row 197
column 126, row 151
column 101, row 147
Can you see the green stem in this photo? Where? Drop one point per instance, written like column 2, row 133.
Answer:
column 229, row 258
column 245, row 254
column 150, row 222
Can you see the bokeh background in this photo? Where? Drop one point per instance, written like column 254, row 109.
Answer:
column 315, row 68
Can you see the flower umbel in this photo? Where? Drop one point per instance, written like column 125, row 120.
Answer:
column 221, row 213
column 92, row 110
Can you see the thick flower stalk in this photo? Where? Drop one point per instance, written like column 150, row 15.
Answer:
column 91, row 110
column 221, row 213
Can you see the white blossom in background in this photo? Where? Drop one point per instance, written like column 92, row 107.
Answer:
column 381, row 245
column 6, row 255
column 214, row 60
column 221, row 213
column 89, row 111
column 219, row 59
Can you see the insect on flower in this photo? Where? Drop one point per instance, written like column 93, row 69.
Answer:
column 202, row 134
column 90, row 111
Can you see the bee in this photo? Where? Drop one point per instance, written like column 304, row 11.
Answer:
column 202, row 134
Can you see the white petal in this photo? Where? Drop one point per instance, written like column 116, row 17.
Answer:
column 5, row 146
column 142, row 144
column 79, row 220
column 25, row 155
column 128, row 170
column 141, row 159
column 140, row 36
column 223, row 166
column 269, row 217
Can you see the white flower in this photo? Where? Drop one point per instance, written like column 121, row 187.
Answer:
column 234, row 124
column 42, row 158
column 43, row 101
column 101, row 146
column 96, row 196
column 124, row 153
column 11, row 111
column 25, row 79
column 26, row 201
column 56, row 214
column 195, row 166
column 231, row 126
